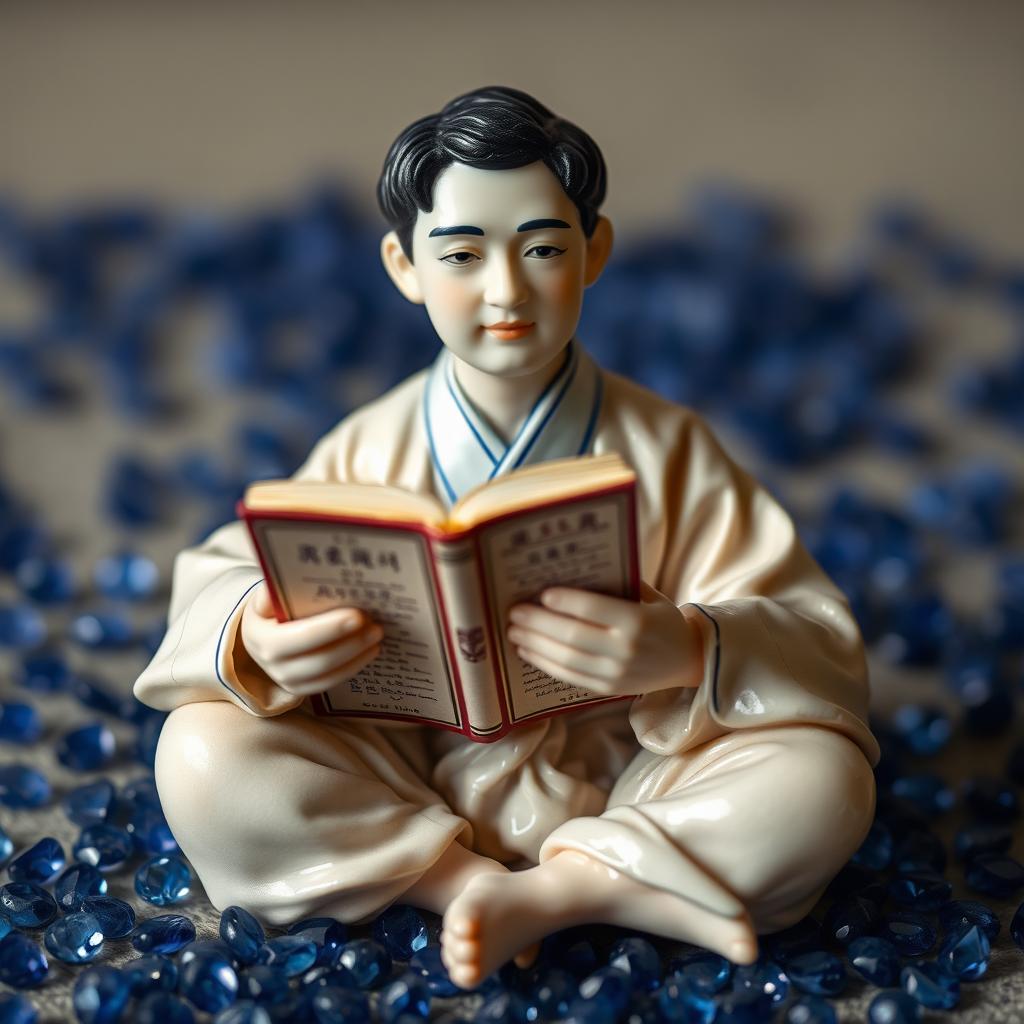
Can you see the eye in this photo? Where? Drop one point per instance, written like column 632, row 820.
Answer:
column 459, row 259
column 544, row 252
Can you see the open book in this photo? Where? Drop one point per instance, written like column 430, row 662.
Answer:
column 441, row 583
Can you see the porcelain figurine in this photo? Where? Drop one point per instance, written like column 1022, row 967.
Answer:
column 714, row 805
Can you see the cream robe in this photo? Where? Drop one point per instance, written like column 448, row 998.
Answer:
column 753, row 788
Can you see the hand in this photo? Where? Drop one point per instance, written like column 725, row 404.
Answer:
column 606, row 644
column 308, row 655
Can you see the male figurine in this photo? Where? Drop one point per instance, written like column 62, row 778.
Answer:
column 717, row 803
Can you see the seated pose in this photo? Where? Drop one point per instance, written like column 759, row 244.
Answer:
column 715, row 804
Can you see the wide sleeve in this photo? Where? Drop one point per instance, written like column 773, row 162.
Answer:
column 201, row 657
column 780, row 643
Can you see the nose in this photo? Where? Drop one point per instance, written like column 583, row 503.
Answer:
column 506, row 286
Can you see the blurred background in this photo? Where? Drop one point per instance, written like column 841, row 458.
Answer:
column 820, row 245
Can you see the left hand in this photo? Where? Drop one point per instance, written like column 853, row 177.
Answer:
column 609, row 645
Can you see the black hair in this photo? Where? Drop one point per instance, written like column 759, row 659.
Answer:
column 495, row 128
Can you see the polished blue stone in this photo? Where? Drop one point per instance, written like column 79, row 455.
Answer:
column 163, row 881
column 6, row 846
column 401, row 930
column 46, row 580
column 208, row 982
column 764, row 977
column 803, row 937
column 263, row 984
column 100, row 995
column 957, row 915
column 321, row 976
column 206, row 947
column 164, row 934
column 682, row 1002
column 640, row 960
column 75, row 939
column 5, row 926
column 428, row 964
column 329, row 935
column 126, row 576
column 706, row 972
column 744, row 1007
column 86, row 748
column 107, row 630
column 368, row 961
column 27, row 905
column 39, row 864
column 809, row 1010
column 78, row 882
column 503, row 1007
column 136, row 493
column 849, row 919
column 162, row 1008
column 924, row 729
column 928, row 792
column 406, row 994
column 290, row 954
column 818, row 973
column 991, row 800
column 90, row 804
column 876, row 960
column 893, row 1008
column 103, row 846
column 332, row 1005
column 19, row 723
column 242, row 933
column 566, row 949
column 930, row 986
column 965, row 954
column 244, row 1012
column 44, row 672
column 995, row 875
column 22, row 963
column 21, row 627
column 116, row 918
column 93, row 694
column 15, row 1009
column 150, row 832
column 150, row 973
column 607, row 985
column 22, row 787
column 920, row 892
column 546, row 991
column 974, row 839
column 910, row 932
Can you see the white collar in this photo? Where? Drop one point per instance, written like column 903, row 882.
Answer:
column 466, row 451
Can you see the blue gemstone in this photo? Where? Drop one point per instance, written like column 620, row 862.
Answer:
column 401, row 931
column 78, row 882
column 744, row 1007
column 818, row 973
column 503, row 1007
column 19, row 541
column 991, row 800
column 925, row 730
column 547, row 992
column 90, row 804
column 151, row 973
column 38, row 864
column 163, row 881
column 640, row 960
column 920, row 892
column 22, row 963
column 102, row 630
column 764, row 977
column 957, row 915
column 5, row 926
column 208, row 982
column 19, row 723
column 706, row 972
column 17, row 1010
column 22, row 787
column 1017, row 927
column 46, row 580
column 244, row 1012
column 141, row 793
column 965, row 954
column 321, row 976
column 44, row 672
column 290, row 954
column 802, row 937
column 126, row 576
column 243, row 934
column 930, row 986
column 909, row 932
column 103, row 846
column 149, row 829
column 609, row 986
column 367, row 960
column 164, row 934
column 341, row 1005
column 406, row 994
column 87, row 748
column 682, row 1002
column 116, row 918
column 893, row 1008
column 75, row 938
column 6, row 846
column 26, row 905
column 565, row 949
column 876, row 960
column 809, row 1010
column 995, row 875
column 849, row 919
column 927, row 792
column 162, row 1008
column 974, row 839
column 428, row 964
column 206, row 947
column 100, row 995
column 93, row 695
column 136, row 493
column 263, row 984
column 21, row 627
column 330, row 935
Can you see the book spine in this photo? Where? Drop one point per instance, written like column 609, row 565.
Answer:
column 466, row 622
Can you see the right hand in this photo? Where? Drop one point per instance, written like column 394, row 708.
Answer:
column 309, row 655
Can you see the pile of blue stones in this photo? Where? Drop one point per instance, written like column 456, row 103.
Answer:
column 719, row 313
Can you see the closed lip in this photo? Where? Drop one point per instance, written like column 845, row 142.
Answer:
column 509, row 325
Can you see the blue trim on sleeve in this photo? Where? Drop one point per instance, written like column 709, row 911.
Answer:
column 718, row 656
column 220, row 642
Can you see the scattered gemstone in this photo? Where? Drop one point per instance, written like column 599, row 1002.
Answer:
column 38, row 864
column 428, row 964
column 765, row 977
column 103, row 846
column 640, row 960
column 19, row 723
column 163, row 881
column 995, row 875
column 290, row 954
column 75, row 938
column 26, row 905
column 22, row 963
column 932, row 987
column 876, row 960
column 44, row 672
column 974, row 839
column 86, row 748
column 263, row 984
column 893, row 1008
column 810, row 1010
column 342, row 1005
column 958, row 915
column 706, row 972
column 849, row 919
column 22, row 787
column 21, row 627
column 401, row 930
column 965, row 954
column 164, row 934
column 243, row 934
column 116, row 917
column 126, row 576
column 208, row 982
column 909, row 932
column 920, row 892
column 100, row 995
column 406, row 994
column 818, row 973
column 90, row 804
column 367, row 960
column 162, row 1008
column 150, row 973
column 78, row 882
column 15, row 1009
column 102, row 631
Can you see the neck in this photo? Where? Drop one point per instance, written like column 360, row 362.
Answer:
column 505, row 402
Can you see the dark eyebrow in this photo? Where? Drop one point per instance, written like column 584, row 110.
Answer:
column 458, row 229
column 544, row 222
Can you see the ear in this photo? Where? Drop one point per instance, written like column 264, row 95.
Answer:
column 400, row 268
column 599, row 248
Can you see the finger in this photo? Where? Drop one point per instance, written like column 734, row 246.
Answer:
column 583, row 636
column 285, row 640
column 330, row 659
column 599, row 609
column 262, row 604
column 331, row 679
column 566, row 675
column 566, row 656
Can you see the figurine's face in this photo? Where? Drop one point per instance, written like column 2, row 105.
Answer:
column 501, row 263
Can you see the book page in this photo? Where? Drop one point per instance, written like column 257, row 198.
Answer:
column 583, row 544
column 386, row 572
